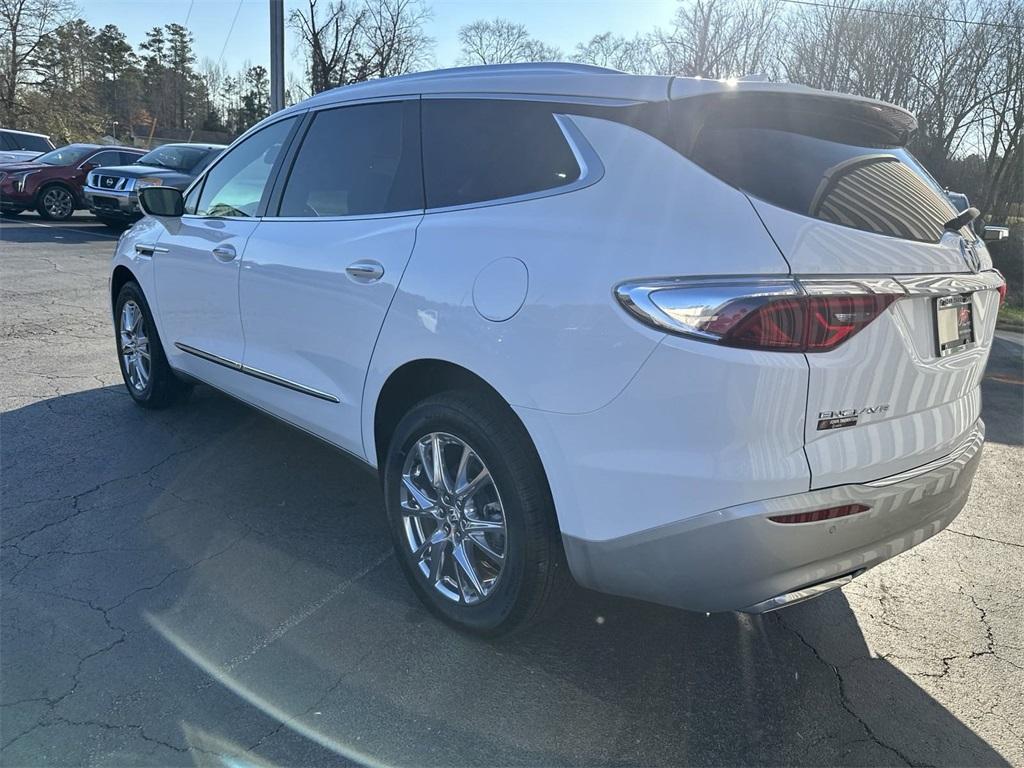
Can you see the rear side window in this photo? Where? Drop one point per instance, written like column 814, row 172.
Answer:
column 475, row 150
column 842, row 171
column 27, row 143
column 357, row 161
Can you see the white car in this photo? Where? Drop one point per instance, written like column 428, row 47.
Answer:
column 715, row 345
column 21, row 146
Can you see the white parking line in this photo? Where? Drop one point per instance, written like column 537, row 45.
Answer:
column 72, row 229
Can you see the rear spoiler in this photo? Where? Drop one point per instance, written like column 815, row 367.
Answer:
column 798, row 106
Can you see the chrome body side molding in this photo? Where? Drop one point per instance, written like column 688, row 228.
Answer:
column 257, row 373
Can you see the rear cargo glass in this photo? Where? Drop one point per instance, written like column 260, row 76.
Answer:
column 837, row 167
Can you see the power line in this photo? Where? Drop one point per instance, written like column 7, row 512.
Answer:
column 189, row 14
column 224, row 48
column 883, row 12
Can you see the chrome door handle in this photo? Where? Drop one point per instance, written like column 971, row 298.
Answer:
column 148, row 249
column 225, row 252
column 365, row 271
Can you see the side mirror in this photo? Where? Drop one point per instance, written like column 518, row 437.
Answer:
column 162, row 201
column 996, row 233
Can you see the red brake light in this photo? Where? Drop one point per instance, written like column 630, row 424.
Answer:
column 775, row 314
column 806, row 323
column 821, row 514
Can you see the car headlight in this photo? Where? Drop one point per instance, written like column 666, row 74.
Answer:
column 148, row 181
column 19, row 179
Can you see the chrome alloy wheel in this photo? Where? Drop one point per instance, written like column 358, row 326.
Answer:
column 58, row 202
column 453, row 518
column 135, row 346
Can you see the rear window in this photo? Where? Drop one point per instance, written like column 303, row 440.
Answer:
column 477, row 150
column 831, row 167
column 26, row 142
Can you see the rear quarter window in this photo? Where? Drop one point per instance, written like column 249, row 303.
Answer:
column 479, row 150
column 826, row 167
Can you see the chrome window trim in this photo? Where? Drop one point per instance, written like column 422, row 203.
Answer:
column 256, row 373
column 591, row 172
column 353, row 217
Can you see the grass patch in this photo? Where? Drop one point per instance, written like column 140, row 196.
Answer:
column 1011, row 317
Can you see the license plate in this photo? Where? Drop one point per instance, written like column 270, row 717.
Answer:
column 954, row 324
column 104, row 202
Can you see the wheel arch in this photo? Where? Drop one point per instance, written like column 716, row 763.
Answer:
column 416, row 380
column 57, row 183
column 118, row 278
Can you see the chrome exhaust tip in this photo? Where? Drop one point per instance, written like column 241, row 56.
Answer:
column 806, row 593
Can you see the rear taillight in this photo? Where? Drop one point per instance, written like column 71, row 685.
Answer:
column 778, row 315
column 821, row 514
column 1001, row 287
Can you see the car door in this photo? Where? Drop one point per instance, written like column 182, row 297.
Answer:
column 197, row 256
column 318, row 276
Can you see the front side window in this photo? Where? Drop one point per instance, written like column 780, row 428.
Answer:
column 235, row 185
column 475, row 150
column 72, row 154
column 101, row 159
column 357, row 161
column 175, row 157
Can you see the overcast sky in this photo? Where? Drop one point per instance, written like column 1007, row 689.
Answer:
column 562, row 23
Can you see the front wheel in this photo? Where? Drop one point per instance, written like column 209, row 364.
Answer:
column 56, row 202
column 471, row 514
column 148, row 377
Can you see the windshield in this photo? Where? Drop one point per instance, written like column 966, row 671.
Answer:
column 175, row 157
column 69, row 155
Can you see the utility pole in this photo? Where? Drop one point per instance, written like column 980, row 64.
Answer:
column 276, row 55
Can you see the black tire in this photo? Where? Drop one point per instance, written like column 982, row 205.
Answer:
column 161, row 388
column 534, row 575
column 56, row 202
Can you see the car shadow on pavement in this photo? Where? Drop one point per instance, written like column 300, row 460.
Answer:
column 208, row 570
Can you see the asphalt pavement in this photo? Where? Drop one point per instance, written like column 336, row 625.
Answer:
column 205, row 586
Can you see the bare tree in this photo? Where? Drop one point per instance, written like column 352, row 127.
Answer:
column 394, row 40
column 500, row 41
column 330, row 34
column 24, row 25
column 722, row 38
column 641, row 55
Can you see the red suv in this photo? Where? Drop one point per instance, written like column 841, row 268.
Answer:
column 52, row 183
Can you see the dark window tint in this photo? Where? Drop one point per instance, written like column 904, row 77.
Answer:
column 840, row 171
column 235, row 185
column 7, row 141
column 101, row 159
column 356, row 161
column 27, row 143
column 476, row 150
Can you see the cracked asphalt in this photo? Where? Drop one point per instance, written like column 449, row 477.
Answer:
column 205, row 586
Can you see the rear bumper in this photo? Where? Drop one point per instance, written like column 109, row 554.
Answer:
column 737, row 559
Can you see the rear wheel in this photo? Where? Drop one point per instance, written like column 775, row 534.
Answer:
column 56, row 202
column 471, row 515
column 148, row 377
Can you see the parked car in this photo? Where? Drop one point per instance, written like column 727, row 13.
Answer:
column 710, row 344
column 18, row 146
column 52, row 183
column 112, row 193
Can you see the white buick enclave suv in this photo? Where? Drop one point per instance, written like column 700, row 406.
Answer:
column 712, row 344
